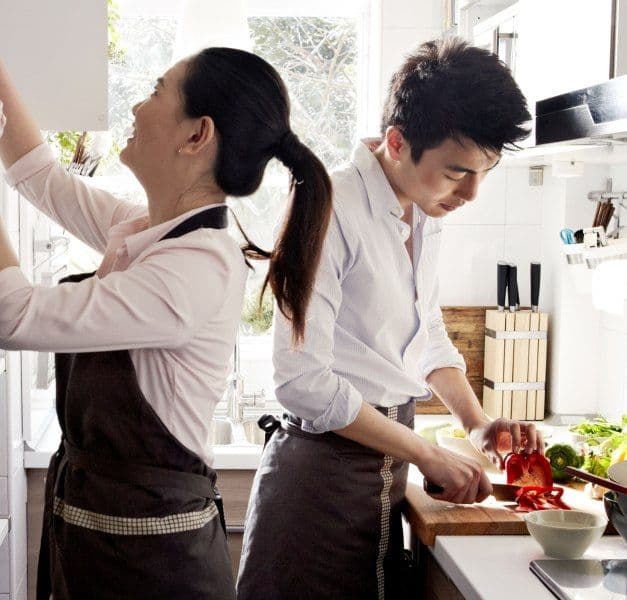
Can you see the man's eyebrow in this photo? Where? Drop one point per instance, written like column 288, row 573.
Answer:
column 161, row 81
column 460, row 169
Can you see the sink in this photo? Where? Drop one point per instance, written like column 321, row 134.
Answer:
column 220, row 432
column 253, row 433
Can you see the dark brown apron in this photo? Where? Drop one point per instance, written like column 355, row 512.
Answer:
column 324, row 518
column 130, row 513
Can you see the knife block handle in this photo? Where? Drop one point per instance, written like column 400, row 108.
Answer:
column 432, row 488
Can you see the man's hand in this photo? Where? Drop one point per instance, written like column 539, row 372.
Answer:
column 463, row 479
column 498, row 438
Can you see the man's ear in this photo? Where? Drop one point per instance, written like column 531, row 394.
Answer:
column 394, row 141
column 201, row 136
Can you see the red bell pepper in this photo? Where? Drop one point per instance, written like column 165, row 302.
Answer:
column 533, row 497
column 528, row 469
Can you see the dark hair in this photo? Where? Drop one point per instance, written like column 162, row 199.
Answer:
column 249, row 105
column 449, row 89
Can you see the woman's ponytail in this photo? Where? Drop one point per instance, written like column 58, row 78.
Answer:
column 249, row 105
column 296, row 256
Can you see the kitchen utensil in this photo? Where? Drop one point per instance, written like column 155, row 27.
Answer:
column 567, row 236
column 565, row 533
column 512, row 288
column 535, row 285
column 614, row 513
column 500, row 491
column 502, row 273
column 608, row 483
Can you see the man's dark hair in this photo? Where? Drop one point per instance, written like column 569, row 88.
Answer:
column 449, row 89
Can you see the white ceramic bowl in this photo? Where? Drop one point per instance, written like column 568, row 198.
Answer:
column 618, row 473
column 565, row 533
column 462, row 446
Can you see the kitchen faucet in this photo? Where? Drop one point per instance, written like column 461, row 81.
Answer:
column 236, row 400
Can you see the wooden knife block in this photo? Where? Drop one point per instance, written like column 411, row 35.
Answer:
column 514, row 373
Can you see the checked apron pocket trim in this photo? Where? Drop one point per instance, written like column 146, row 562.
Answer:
column 134, row 526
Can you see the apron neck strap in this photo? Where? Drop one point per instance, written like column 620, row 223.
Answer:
column 215, row 217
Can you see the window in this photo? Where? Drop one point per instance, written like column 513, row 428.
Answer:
column 321, row 59
column 320, row 51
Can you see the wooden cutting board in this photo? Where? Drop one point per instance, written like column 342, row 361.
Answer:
column 429, row 518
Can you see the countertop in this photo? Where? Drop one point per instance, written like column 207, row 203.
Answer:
column 472, row 561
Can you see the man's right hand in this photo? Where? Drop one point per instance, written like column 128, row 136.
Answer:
column 463, row 479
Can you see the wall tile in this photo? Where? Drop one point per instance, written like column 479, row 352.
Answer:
column 612, row 367
column 468, row 264
column 489, row 206
column 523, row 202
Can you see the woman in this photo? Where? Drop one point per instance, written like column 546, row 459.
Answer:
column 144, row 344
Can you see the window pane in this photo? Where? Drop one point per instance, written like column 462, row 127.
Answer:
column 318, row 60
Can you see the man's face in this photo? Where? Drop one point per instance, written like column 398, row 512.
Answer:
column 445, row 177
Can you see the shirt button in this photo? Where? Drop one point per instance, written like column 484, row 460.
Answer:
column 397, row 211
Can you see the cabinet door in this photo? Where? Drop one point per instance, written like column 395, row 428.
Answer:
column 56, row 53
column 562, row 45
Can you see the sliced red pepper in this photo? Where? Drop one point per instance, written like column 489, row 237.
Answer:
column 528, row 469
column 533, row 497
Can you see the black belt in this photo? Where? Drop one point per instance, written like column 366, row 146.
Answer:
column 138, row 474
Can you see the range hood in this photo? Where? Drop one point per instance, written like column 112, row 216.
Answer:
column 592, row 113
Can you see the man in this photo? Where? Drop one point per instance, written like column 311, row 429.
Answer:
column 324, row 514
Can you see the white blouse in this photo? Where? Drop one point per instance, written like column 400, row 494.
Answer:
column 174, row 304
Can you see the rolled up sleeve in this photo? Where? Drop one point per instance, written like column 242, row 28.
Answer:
column 305, row 381
column 440, row 351
column 85, row 211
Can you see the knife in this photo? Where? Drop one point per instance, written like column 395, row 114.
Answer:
column 502, row 269
column 512, row 288
column 535, row 285
column 500, row 491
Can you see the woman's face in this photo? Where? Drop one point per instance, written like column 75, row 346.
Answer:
column 159, row 128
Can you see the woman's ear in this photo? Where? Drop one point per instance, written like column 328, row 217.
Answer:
column 200, row 138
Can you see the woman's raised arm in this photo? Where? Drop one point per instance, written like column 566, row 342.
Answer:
column 21, row 133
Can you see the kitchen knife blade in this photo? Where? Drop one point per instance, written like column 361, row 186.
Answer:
column 500, row 491
column 502, row 269
column 535, row 285
column 512, row 288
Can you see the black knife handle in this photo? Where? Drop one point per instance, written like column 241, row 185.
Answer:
column 535, row 285
column 502, row 269
column 432, row 488
column 512, row 288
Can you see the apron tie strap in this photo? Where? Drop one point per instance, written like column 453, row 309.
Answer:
column 138, row 474
column 269, row 424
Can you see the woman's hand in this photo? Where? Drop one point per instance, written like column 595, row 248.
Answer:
column 463, row 479
column 3, row 119
column 498, row 438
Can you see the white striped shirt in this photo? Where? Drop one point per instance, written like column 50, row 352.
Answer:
column 374, row 328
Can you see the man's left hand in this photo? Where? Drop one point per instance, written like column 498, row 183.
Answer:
column 496, row 439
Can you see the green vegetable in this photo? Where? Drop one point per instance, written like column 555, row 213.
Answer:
column 598, row 427
column 613, row 442
column 597, row 465
column 561, row 456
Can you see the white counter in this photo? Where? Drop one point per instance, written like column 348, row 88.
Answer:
column 231, row 456
column 494, row 567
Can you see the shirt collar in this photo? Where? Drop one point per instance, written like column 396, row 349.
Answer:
column 381, row 196
column 138, row 235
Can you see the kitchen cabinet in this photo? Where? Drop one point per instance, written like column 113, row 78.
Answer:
column 551, row 47
column 57, row 54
